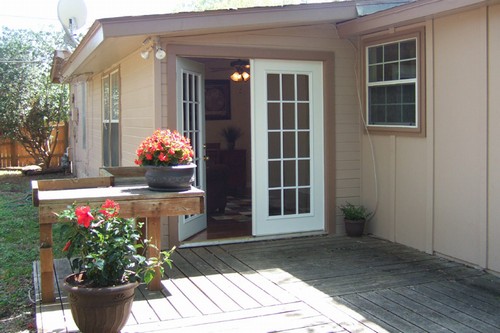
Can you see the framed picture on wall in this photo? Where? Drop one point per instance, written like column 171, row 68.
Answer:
column 217, row 100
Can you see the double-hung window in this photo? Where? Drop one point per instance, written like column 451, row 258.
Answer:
column 394, row 84
column 111, row 119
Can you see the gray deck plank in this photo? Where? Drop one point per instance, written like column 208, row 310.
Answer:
column 464, row 318
column 310, row 284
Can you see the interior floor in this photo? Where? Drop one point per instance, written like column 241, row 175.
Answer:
column 236, row 221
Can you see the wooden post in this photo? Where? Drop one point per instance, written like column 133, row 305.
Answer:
column 154, row 233
column 46, row 263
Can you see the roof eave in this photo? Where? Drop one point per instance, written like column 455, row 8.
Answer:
column 135, row 28
column 413, row 12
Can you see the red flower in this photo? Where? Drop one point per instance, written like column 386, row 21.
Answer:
column 109, row 208
column 66, row 247
column 84, row 216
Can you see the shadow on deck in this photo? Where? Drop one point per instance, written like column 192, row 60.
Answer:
column 311, row 284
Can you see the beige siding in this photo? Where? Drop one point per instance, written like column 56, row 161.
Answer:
column 493, row 140
column 345, row 101
column 137, row 104
column 461, row 136
column 438, row 192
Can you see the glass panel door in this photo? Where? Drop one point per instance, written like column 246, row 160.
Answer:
column 288, row 169
column 191, row 123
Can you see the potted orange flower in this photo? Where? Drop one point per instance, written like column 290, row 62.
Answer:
column 168, row 157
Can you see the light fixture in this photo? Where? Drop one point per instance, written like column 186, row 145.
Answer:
column 145, row 54
column 150, row 45
column 160, row 53
column 241, row 68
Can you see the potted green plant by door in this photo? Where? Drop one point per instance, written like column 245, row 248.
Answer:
column 354, row 219
column 106, row 255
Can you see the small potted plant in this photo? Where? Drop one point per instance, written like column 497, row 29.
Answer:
column 354, row 219
column 106, row 256
column 231, row 134
column 168, row 157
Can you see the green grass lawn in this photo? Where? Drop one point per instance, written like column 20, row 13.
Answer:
column 19, row 234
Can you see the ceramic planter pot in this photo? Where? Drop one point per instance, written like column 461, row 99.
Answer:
column 354, row 228
column 170, row 178
column 100, row 310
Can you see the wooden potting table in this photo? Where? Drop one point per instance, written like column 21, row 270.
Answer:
column 135, row 199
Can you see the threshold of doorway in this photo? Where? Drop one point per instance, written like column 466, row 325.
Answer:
column 247, row 239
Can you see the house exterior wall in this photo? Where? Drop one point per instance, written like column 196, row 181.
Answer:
column 146, row 91
column 344, row 167
column 438, row 193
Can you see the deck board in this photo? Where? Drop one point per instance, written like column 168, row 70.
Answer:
column 310, row 284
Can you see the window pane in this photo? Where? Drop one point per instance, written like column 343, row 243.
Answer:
column 289, row 115
column 393, row 94
column 303, row 144
column 375, row 54
column 273, row 116
column 408, row 93
column 409, row 114
column 274, row 145
column 303, row 116
column 106, row 98
column 377, row 95
column 290, row 201
column 288, row 88
column 274, row 202
column 408, row 69
column 289, row 173
column 304, row 173
column 391, row 71
column 274, row 174
column 273, row 87
column 376, row 73
column 408, row 49
column 304, row 200
column 302, row 87
column 115, row 97
column 288, row 144
column 394, row 114
column 391, row 52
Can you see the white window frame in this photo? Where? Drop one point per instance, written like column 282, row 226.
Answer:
column 112, row 145
column 418, row 127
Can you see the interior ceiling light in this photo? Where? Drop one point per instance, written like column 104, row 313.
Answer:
column 241, row 69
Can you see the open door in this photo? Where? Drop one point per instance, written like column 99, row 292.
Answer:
column 287, row 153
column 191, row 123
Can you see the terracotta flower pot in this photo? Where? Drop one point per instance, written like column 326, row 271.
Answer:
column 170, row 178
column 99, row 310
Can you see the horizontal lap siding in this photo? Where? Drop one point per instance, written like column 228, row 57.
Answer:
column 137, row 117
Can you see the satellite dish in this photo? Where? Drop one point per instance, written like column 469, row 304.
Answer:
column 72, row 14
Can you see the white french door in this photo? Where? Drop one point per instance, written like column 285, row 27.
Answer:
column 287, row 150
column 191, row 123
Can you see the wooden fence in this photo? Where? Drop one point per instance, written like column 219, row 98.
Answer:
column 13, row 154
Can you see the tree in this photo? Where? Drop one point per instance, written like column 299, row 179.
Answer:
column 31, row 106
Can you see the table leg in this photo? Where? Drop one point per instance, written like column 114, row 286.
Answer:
column 46, row 264
column 154, row 233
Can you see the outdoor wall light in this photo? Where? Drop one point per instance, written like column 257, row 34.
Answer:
column 149, row 45
column 145, row 54
column 160, row 53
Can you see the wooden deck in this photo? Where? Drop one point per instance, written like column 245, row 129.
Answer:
column 312, row 284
